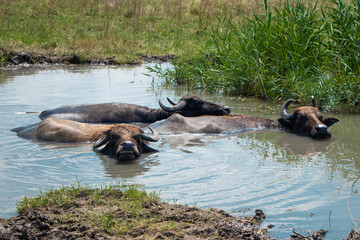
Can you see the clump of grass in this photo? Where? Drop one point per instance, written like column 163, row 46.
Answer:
column 99, row 206
column 3, row 60
column 122, row 211
column 290, row 51
column 344, row 33
column 65, row 196
column 343, row 29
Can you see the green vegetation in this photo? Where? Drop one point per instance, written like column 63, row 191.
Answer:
column 99, row 204
column 271, row 50
column 67, row 196
column 120, row 211
column 124, row 29
column 290, row 51
column 2, row 59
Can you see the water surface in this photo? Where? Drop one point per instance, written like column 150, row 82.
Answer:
column 301, row 184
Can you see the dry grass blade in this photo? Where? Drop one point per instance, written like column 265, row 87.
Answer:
column 352, row 218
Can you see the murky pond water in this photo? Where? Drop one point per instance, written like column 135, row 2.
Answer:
column 301, row 184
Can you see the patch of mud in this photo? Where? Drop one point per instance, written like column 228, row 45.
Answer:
column 22, row 58
column 164, row 221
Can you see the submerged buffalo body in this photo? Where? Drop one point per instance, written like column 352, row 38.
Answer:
column 178, row 124
column 123, row 141
column 188, row 105
column 306, row 120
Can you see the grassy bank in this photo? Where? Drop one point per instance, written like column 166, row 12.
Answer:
column 119, row 211
column 124, row 29
column 271, row 50
column 293, row 50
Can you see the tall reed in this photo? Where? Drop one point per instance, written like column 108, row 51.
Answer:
column 290, row 51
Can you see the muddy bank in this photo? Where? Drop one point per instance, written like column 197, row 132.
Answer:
column 113, row 214
column 183, row 223
column 13, row 58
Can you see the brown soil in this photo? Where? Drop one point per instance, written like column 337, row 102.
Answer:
column 21, row 58
column 186, row 223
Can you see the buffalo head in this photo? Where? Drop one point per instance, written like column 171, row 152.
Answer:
column 126, row 142
column 306, row 120
column 192, row 106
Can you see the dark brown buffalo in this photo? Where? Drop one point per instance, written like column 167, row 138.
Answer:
column 123, row 141
column 189, row 106
column 304, row 120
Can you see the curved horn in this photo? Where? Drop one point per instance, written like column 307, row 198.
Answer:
column 171, row 102
column 101, row 141
column 283, row 109
column 180, row 105
column 313, row 101
column 155, row 137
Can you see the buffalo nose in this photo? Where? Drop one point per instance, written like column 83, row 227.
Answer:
column 127, row 146
column 321, row 129
column 227, row 109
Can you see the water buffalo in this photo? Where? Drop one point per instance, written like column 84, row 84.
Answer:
column 123, row 141
column 304, row 120
column 178, row 124
column 189, row 106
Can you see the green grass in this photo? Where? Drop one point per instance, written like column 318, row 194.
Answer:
column 122, row 211
column 3, row 60
column 124, row 29
column 132, row 196
column 293, row 50
column 96, row 205
column 270, row 50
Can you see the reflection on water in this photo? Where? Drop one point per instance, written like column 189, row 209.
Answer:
column 304, row 146
column 127, row 169
column 296, row 181
column 187, row 140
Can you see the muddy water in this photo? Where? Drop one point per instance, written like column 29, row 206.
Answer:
column 301, row 184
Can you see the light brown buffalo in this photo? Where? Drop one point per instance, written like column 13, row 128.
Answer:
column 123, row 141
column 178, row 124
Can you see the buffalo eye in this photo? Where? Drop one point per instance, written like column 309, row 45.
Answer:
column 113, row 136
column 302, row 118
column 198, row 102
column 137, row 138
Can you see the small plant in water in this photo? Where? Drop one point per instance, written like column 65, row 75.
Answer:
column 3, row 60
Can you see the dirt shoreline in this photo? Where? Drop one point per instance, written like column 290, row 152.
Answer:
column 191, row 223
column 78, row 218
column 14, row 58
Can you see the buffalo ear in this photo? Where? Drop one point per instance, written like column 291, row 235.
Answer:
column 101, row 141
column 330, row 121
column 284, row 123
